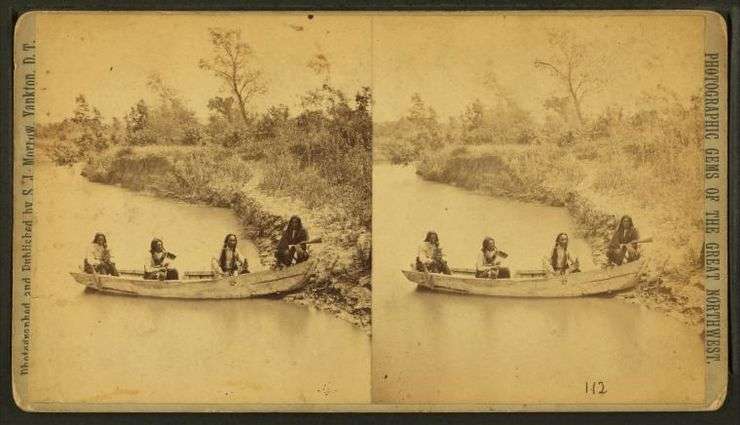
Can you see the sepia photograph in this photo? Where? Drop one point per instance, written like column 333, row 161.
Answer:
column 201, row 210
column 370, row 211
column 550, row 248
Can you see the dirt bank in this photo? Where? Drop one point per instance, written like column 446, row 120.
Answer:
column 671, row 281
column 341, row 283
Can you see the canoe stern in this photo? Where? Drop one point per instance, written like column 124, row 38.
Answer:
column 84, row 278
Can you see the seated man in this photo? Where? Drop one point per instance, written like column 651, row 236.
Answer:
column 623, row 247
column 430, row 258
column 99, row 259
column 291, row 248
column 230, row 261
column 158, row 264
column 488, row 265
column 560, row 260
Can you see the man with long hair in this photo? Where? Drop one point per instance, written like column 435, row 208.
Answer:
column 560, row 261
column 623, row 247
column 488, row 265
column 430, row 258
column 292, row 247
column 158, row 264
column 99, row 259
column 230, row 261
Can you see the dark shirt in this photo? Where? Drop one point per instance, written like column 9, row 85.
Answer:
column 623, row 237
column 293, row 237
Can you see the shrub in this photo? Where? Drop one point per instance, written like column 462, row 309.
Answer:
column 191, row 135
column 459, row 151
column 64, row 153
column 398, row 152
column 141, row 137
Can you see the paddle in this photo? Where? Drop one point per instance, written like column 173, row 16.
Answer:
column 95, row 277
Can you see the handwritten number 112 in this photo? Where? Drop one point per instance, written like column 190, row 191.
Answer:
column 595, row 387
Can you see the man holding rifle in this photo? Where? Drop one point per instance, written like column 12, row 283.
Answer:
column 292, row 248
column 624, row 246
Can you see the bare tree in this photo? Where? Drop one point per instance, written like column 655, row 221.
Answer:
column 575, row 66
column 230, row 62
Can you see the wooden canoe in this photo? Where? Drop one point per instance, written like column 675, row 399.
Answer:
column 596, row 282
column 201, row 285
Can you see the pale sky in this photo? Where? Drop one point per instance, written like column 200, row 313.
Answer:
column 444, row 58
column 108, row 56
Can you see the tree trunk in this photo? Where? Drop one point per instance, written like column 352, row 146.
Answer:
column 577, row 105
column 576, row 102
column 240, row 100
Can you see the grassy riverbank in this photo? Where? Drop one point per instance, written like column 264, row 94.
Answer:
column 597, row 185
column 215, row 176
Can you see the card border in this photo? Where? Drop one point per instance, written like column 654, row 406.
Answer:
column 10, row 14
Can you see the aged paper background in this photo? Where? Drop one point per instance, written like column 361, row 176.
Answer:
column 428, row 351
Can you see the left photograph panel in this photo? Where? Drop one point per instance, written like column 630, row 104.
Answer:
column 192, row 211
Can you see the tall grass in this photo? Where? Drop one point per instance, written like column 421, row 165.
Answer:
column 288, row 176
column 532, row 172
column 211, row 175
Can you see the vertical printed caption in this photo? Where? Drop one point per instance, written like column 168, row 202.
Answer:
column 715, row 211
column 713, row 201
column 24, row 137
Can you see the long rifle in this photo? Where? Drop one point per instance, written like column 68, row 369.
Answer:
column 640, row 242
column 312, row 241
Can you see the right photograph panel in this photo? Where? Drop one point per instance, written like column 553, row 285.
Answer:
column 539, row 211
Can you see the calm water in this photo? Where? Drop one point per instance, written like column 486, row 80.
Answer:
column 434, row 347
column 90, row 347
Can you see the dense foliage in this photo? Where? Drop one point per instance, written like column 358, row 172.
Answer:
column 324, row 153
column 419, row 131
column 321, row 154
column 79, row 136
